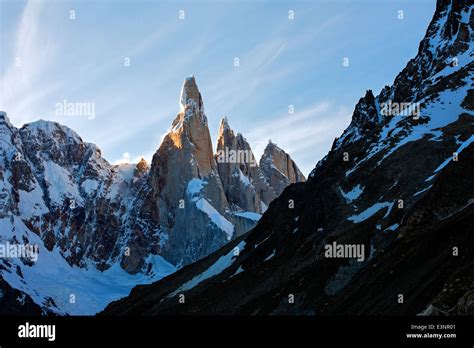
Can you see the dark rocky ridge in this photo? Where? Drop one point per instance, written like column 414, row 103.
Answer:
column 14, row 302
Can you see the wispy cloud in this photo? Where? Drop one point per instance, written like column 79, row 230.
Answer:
column 226, row 92
column 306, row 132
column 127, row 159
column 33, row 54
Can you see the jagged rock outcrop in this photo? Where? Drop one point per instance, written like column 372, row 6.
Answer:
column 279, row 168
column 185, row 187
column 245, row 185
column 364, row 119
column 396, row 184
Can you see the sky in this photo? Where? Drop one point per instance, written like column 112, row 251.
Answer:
column 277, row 69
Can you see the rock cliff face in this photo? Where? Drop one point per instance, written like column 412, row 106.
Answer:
column 396, row 183
column 185, row 187
column 202, row 199
column 246, row 186
column 278, row 166
column 114, row 226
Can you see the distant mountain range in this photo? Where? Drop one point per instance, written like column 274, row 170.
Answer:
column 102, row 228
column 384, row 224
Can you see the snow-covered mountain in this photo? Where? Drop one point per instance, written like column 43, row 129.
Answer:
column 397, row 184
column 59, row 194
column 100, row 229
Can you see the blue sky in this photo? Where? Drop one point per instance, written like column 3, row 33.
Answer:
column 282, row 62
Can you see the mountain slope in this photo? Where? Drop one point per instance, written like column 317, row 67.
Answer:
column 396, row 183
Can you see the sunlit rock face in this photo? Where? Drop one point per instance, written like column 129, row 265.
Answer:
column 185, row 187
column 279, row 168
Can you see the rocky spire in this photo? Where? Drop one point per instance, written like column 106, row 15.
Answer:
column 191, row 97
column 365, row 118
column 190, row 131
column 226, row 136
column 141, row 167
column 245, row 186
column 365, row 115
column 224, row 125
column 279, row 168
column 184, row 183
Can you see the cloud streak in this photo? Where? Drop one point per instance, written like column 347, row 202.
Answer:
column 306, row 135
column 33, row 54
